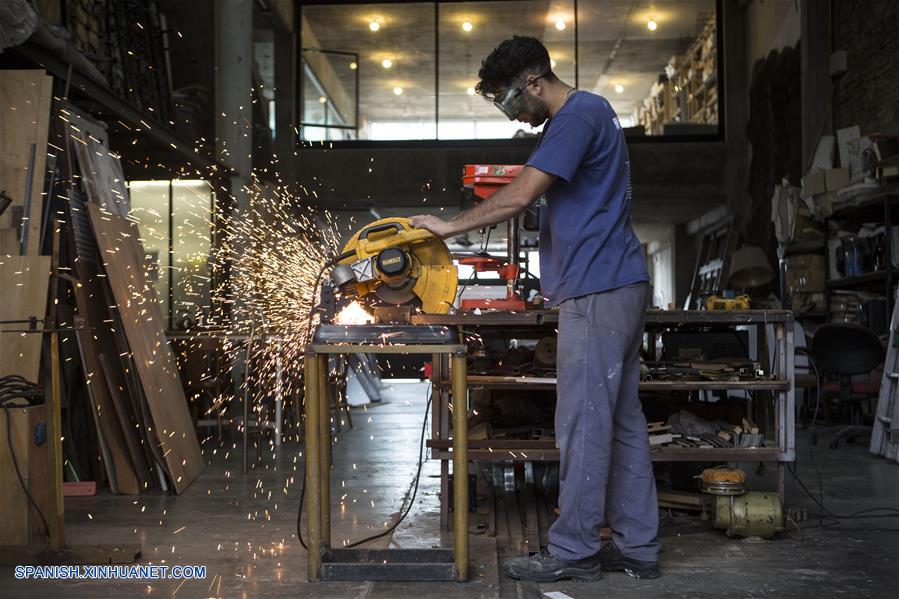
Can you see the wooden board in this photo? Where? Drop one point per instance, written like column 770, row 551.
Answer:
column 25, row 97
column 19, row 521
column 126, row 422
column 23, row 294
column 138, row 306
column 106, row 417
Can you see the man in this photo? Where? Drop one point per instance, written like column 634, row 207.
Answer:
column 592, row 268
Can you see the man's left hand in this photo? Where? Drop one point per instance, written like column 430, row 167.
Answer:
column 435, row 225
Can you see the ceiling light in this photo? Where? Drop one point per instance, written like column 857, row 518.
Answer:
column 374, row 25
column 386, row 63
column 467, row 26
column 323, row 99
column 398, row 91
column 619, row 88
column 652, row 25
column 470, row 91
column 552, row 63
column 353, row 66
column 560, row 25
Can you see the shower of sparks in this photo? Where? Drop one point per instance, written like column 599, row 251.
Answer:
column 354, row 313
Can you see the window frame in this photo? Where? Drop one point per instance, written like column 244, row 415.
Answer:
column 302, row 144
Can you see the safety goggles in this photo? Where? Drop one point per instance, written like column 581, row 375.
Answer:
column 511, row 101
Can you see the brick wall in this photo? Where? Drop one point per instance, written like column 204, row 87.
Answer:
column 868, row 93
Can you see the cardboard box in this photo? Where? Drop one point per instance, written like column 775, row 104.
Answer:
column 813, row 184
column 804, row 273
column 836, row 179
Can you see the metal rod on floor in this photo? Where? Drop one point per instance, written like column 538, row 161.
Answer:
column 324, row 412
column 460, row 465
column 313, row 468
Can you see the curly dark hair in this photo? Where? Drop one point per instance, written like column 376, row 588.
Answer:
column 510, row 60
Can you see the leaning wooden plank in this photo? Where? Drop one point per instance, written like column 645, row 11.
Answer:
column 126, row 422
column 25, row 97
column 106, row 417
column 138, row 306
column 23, row 294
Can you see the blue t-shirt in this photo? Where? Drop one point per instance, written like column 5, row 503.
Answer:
column 587, row 243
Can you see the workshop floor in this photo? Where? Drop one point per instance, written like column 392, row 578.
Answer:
column 243, row 529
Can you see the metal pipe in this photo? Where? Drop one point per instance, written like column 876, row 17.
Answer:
column 512, row 247
column 460, row 465
column 313, row 468
column 324, row 411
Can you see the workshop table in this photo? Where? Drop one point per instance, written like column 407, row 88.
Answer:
column 327, row 563
column 545, row 322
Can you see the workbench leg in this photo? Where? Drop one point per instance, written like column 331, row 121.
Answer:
column 444, row 495
column 313, row 468
column 460, row 465
column 325, row 440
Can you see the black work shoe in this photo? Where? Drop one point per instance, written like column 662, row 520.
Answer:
column 613, row 560
column 544, row 567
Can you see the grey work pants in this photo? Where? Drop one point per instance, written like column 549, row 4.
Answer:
column 605, row 471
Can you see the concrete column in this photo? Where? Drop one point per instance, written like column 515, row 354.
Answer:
column 286, row 106
column 233, row 93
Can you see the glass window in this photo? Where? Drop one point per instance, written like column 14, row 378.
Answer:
column 469, row 31
column 655, row 62
column 389, row 49
column 191, row 248
column 178, row 264
column 150, row 208
column 369, row 71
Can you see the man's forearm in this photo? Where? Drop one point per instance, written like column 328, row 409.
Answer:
column 501, row 206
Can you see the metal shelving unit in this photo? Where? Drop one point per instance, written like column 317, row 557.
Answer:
column 781, row 431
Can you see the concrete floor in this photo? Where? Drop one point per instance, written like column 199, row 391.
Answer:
column 243, row 529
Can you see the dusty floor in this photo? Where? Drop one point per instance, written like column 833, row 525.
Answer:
column 243, row 529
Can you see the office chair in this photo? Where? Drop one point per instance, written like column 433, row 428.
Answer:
column 844, row 350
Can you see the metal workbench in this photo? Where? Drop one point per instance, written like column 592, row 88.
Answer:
column 781, row 387
column 329, row 563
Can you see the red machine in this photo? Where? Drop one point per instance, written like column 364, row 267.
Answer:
column 480, row 181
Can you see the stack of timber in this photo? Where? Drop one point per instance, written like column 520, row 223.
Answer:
column 144, row 430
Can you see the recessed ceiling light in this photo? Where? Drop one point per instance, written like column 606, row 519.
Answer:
column 374, row 25
column 353, row 66
column 398, row 91
column 323, row 99
column 619, row 88
column 467, row 26
column 652, row 25
column 470, row 91
column 560, row 25
column 386, row 63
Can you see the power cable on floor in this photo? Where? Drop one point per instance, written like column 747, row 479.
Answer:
column 819, row 500
column 404, row 509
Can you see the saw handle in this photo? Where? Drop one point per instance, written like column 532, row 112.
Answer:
column 379, row 228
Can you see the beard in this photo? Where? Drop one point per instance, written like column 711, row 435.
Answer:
column 536, row 111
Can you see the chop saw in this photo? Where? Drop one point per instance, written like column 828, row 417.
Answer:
column 390, row 263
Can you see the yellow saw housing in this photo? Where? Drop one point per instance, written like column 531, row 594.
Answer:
column 401, row 265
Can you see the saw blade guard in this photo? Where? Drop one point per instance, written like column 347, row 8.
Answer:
column 399, row 265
